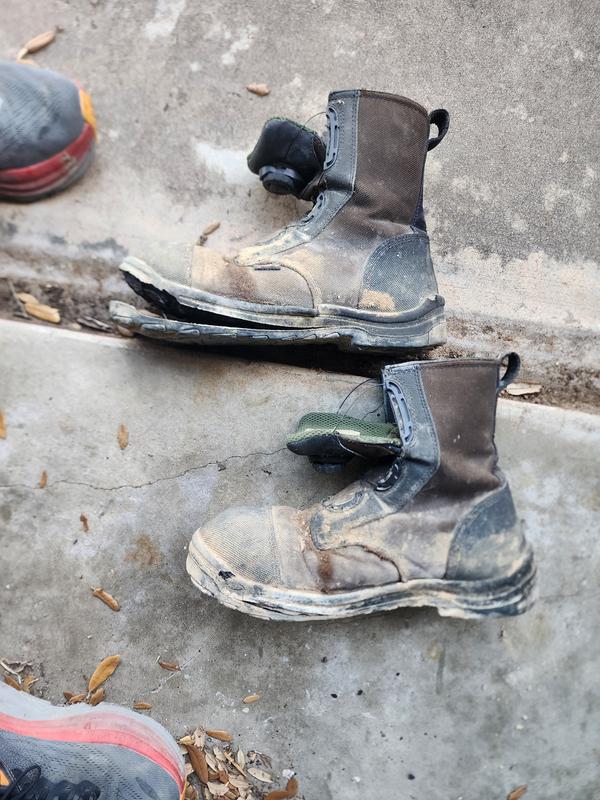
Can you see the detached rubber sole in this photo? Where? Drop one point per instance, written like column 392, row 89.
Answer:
column 462, row 599
column 121, row 752
column 347, row 337
column 350, row 330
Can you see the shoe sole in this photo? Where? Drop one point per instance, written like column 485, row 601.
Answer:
column 88, row 740
column 423, row 328
column 499, row 597
column 28, row 184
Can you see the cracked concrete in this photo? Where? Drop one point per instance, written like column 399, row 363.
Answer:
column 468, row 709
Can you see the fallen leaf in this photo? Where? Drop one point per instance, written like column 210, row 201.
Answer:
column 84, row 522
column 185, row 740
column 43, row 312
column 222, row 736
column 191, row 793
column 238, row 782
column 519, row 389
column 217, row 789
column 37, row 43
column 28, row 682
column 127, row 334
column 12, row 682
column 212, row 761
column 251, row 698
column 240, row 758
column 43, row 479
column 106, row 598
column 170, row 666
column 291, row 790
column 68, row 695
column 516, row 793
column 198, row 762
column 214, row 226
column 199, row 738
column 76, row 698
column 103, row 671
column 25, row 297
column 260, row 774
column 261, row 89
column 2, row 425
column 223, row 776
column 97, row 696
column 123, row 436
column 141, row 706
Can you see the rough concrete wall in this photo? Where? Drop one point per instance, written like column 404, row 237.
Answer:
column 511, row 194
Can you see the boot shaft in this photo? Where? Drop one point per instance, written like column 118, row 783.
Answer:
column 376, row 150
column 446, row 415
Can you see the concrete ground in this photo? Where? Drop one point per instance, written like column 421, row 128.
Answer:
column 511, row 194
column 405, row 704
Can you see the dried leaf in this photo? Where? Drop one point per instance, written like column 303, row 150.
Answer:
column 222, row 736
column 199, row 737
column 212, row 761
column 520, row 389
column 68, row 695
column 123, row 436
column 198, row 762
column 260, row 775
column 43, row 312
column 185, row 740
column 261, row 89
column 84, row 522
column 25, row 297
column 141, row 706
column 240, row 758
column 2, row 425
column 106, row 598
column 516, row 793
column 170, row 666
column 214, row 226
column 43, row 479
column 76, row 698
column 291, row 790
column 97, row 696
column 12, row 682
column 251, row 698
column 217, row 789
column 37, row 43
column 28, row 682
column 191, row 793
column 238, row 782
column 103, row 671
column 223, row 775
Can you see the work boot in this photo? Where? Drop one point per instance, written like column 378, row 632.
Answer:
column 83, row 752
column 47, row 132
column 434, row 526
column 356, row 270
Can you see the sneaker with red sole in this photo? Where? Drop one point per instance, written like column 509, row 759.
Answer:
column 47, row 132
column 84, row 752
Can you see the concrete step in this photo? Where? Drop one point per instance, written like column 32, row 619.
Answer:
column 468, row 709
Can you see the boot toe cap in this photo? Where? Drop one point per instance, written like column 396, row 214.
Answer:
column 241, row 541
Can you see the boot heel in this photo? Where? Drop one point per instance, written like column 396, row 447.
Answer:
column 498, row 598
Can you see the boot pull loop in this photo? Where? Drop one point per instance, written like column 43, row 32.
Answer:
column 513, row 365
column 441, row 119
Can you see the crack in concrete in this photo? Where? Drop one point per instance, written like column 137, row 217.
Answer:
column 146, row 483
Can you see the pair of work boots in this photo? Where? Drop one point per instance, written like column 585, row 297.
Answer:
column 432, row 521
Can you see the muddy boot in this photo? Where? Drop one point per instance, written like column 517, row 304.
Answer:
column 435, row 526
column 356, row 270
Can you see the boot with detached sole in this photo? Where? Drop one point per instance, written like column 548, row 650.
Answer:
column 356, row 270
column 433, row 525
